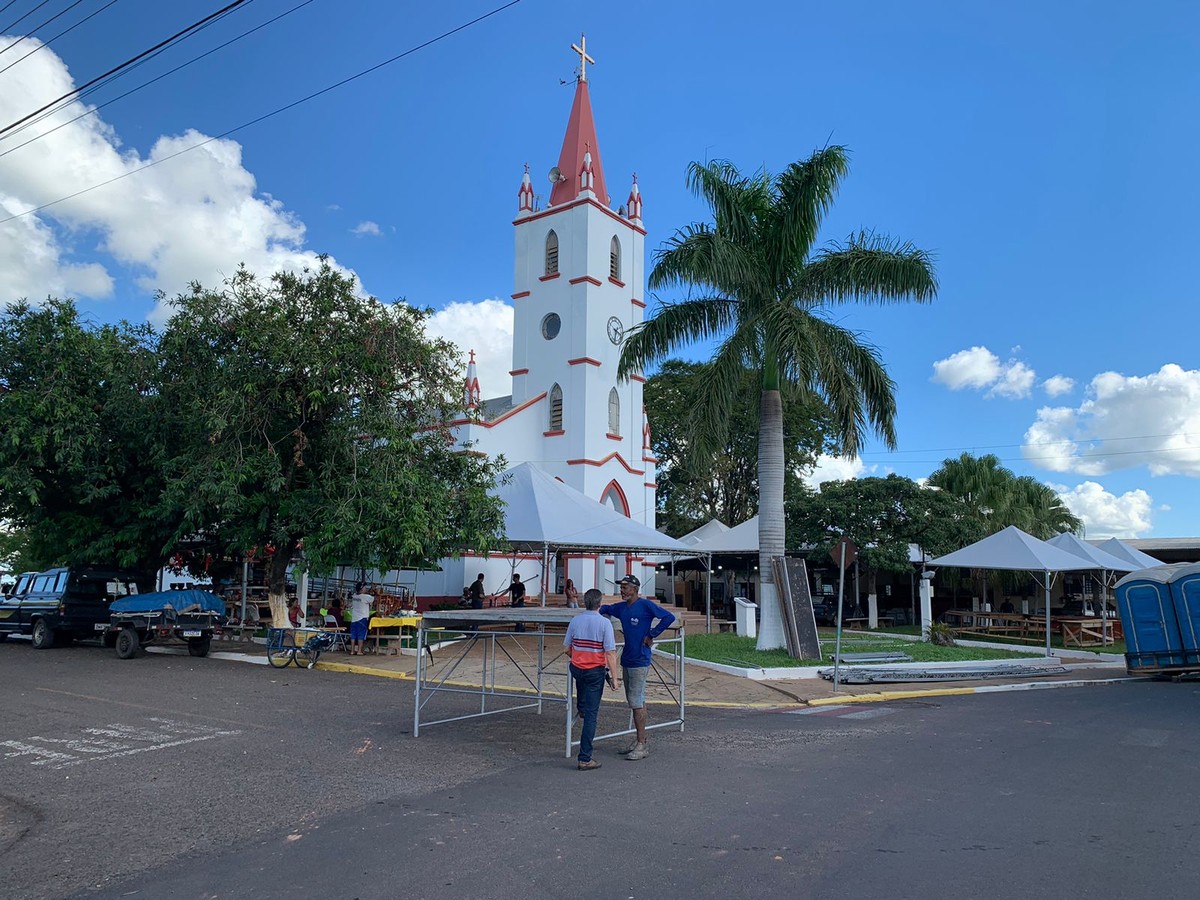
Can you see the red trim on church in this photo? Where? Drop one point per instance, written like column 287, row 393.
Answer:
column 553, row 433
column 649, row 484
column 526, row 372
column 650, row 459
column 614, row 437
column 636, row 302
column 612, row 280
column 588, row 278
column 631, row 378
column 549, row 277
column 582, row 201
column 512, row 412
column 614, row 486
column 584, row 360
column 521, row 294
column 600, row 462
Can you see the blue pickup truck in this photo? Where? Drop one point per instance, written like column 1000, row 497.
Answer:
column 64, row 604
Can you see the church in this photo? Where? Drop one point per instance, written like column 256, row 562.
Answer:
column 578, row 279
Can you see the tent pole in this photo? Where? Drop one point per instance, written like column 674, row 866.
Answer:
column 708, row 597
column 1047, row 583
column 545, row 576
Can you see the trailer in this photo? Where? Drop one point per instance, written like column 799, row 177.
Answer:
column 188, row 616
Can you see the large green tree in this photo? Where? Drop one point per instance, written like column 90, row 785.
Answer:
column 760, row 286
column 724, row 485
column 83, row 433
column 311, row 422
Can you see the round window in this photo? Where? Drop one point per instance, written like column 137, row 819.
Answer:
column 551, row 326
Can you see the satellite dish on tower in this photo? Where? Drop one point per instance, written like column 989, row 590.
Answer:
column 556, row 175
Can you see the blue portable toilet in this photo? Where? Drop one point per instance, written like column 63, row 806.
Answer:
column 1185, row 594
column 1153, row 639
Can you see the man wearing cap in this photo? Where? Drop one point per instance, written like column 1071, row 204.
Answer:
column 637, row 616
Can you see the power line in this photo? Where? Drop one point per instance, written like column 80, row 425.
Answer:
column 127, row 63
column 99, row 106
column 12, row 25
column 31, row 31
column 273, row 113
column 47, row 43
column 4, row 7
column 974, row 447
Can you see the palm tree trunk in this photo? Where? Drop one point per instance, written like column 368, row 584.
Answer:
column 770, row 516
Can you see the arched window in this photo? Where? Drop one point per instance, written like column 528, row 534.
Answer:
column 556, row 417
column 614, row 498
column 614, row 259
column 614, row 412
column 552, row 253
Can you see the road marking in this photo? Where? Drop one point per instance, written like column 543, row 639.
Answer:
column 110, row 742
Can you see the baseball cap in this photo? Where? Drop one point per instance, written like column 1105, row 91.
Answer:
column 631, row 579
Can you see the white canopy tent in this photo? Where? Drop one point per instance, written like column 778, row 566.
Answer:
column 1117, row 547
column 543, row 514
column 1014, row 550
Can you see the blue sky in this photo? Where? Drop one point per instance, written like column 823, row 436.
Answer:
column 1044, row 152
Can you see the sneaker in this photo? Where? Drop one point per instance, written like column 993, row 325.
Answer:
column 627, row 750
column 640, row 751
column 588, row 766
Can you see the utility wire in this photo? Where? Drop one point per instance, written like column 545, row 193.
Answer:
column 974, row 447
column 47, row 43
column 127, row 63
column 12, row 25
column 100, row 106
column 264, row 117
column 100, row 86
column 30, row 32
column 4, row 7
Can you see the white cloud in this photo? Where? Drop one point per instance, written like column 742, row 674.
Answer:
column 1106, row 515
column 979, row 368
column 1057, row 385
column 367, row 228
column 1016, row 381
column 1124, row 422
column 974, row 368
column 487, row 328
column 191, row 218
column 836, row 468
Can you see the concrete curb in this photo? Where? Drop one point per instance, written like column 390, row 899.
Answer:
column 882, row 696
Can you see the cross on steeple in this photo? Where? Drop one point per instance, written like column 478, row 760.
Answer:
column 584, row 59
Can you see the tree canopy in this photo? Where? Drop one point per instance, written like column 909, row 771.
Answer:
column 1000, row 498
column 290, row 417
column 694, row 487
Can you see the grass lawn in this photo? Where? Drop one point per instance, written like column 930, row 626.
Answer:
column 731, row 650
column 1117, row 649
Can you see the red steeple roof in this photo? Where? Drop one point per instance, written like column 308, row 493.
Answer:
column 580, row 139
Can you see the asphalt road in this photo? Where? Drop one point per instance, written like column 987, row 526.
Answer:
column 174, row 777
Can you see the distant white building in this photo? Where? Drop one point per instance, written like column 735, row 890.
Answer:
column 578, row 283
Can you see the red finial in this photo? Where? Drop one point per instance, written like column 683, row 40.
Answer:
column 472, row 354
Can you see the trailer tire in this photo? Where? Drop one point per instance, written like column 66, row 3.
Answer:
column 199, row 646
column 127, row 643
column 43, row 635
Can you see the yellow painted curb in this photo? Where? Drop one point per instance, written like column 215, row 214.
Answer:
column 890, row 695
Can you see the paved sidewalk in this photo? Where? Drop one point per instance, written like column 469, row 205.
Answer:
column 704, row 687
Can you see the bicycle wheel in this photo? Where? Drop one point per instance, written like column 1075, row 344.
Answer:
column 306, row 657
column 279, row 655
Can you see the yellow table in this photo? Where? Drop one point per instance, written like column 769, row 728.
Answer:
column 378, row 623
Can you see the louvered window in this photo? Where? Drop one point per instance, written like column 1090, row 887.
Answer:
column 614, row 259
column 552, row 254
column 614, row 412
column 556, row 409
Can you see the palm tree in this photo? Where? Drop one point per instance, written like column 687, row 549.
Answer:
column 760, row 285
column 999, row 498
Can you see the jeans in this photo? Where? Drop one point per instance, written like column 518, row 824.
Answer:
column 589, row 688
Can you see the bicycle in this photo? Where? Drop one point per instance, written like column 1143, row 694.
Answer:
column 282, row 646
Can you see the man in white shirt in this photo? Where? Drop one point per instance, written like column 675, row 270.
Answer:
column 360, row 617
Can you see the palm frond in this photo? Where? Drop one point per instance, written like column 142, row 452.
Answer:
column 724, row 378
column 838, row 366
column 674, row 325
column 867, row 267
column 804, row 193
column 737, row 201
column 699, row 255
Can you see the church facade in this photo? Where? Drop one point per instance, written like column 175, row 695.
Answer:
column 578, row 281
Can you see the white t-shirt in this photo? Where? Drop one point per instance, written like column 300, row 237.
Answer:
column 360, row 606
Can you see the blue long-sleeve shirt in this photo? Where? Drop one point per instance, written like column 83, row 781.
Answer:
column 637, row 623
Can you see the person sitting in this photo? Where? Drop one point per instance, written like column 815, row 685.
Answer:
column 1007, row 605
column 572, row 594
column 294, row 615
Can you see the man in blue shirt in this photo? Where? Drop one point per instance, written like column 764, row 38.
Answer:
column 637, row 616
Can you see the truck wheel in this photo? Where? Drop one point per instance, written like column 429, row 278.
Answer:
column 199, row 646
column 43, row 635
column 127, row 643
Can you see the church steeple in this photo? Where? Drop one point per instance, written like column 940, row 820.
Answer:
column 525, row 195
column 471, row 385
column 580, row 140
